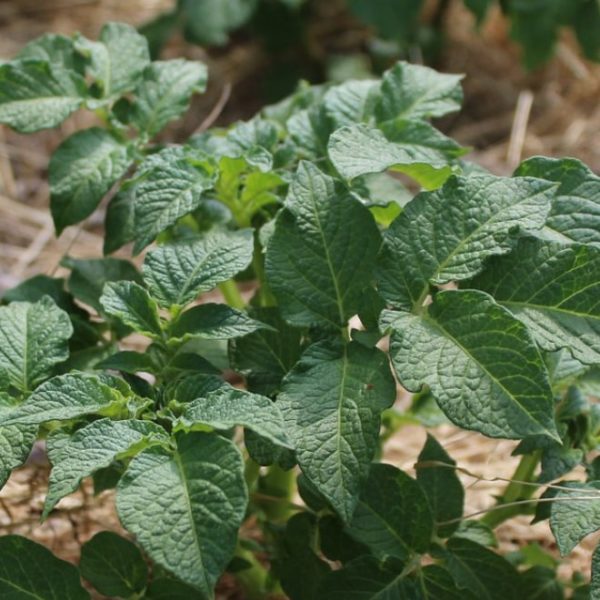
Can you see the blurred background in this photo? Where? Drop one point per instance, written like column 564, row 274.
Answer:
column 531, row 87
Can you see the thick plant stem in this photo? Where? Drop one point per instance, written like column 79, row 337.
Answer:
column 231, row 294
column 515, row 490
column 252, row 580
column 279, row 484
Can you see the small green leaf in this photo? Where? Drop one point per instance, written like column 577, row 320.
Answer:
column 227, row 407
column 166, row 193
column 479, row 361
column 350, row 102
column 82, row 170
column 131, row 304
column 66, row 397
column 94, row 447
column 321, row 255
column 176, row 274
column 16, row 442
column 441, row 485
column 33, row 97
column 119, row 228
column 575, row 212
column 392, row 517
column 185, row 507
column 477, row 531
column 417, row 92
column 331, row 403
column 540, row 583
column 117, row 59
column 164, row 93
column 88, row 277
column 33, row 339
column 481, row 571
column 113, row 565
column 212, row 322
column 575, row 513
column 595, row 589
column 554, row 290
column 446, row 235
column 128, row 362
column 29, row 570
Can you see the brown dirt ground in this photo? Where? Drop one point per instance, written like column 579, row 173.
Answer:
column 508, row 115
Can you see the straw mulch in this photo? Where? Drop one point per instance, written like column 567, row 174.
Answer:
column 508, row 115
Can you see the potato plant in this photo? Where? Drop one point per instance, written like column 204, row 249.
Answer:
column 332, row 223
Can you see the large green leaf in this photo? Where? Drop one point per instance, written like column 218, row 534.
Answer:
column 168, row 192
column 164, row 93
column 444, row 491
column 33, row 97
column 227, row 407
column 185, row 506
column 480, row 363
column 213, row 322
column 30, row 571
column 81, row 172
column 331, row 403
column 131, row 304
column 322, row 253
column 113, row 565
column 177, row 273
column 67, row 397
column 94, row 447
column 447, row 234
column 480, row 571
column 575, row 513
column 117, row 59
column 575, row 213
column 350, row 102
column 393, row 516
column 33, row 339
column 411, row 147
column 417, row 92
column 555, row 290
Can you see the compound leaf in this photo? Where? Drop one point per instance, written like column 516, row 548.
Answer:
column 177, row 273
column 479, row 361
column 185, row 506
column 331, row 404
column 555, row 290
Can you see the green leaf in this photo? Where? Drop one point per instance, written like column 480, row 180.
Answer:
column 415, row 148
column 66, row 397
column 33, row 339
column 113, row 565
column 540, row 583
column 128, row 362
column 164, row 93
column 16, row 442
column 207, row 22
column 176, row 274
column 481, row 571
column 480, row 363
column 441, row 485
column 88, row 277
column 94, row 447
column 392, row 517
column 168, row 192
column 392, row 20
column 266, row 355
column 446, row 235
column 185, row 507
column 29, row 570
column 477, row 531
column 227, row 407
column 595, row 589
column 554, row 290
column 119, row 228
column 575, row 213
column 57, row 50
column 82, row 170
column 321, row 255
column 331, row 403
column 575, row 513
column 350, row 102
column 131, row 304
column 169, row 588
column 117, row 59
column 33, row 97
column 416, row 92
column 212, row 322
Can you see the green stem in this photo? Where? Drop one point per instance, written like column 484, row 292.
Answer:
column 232, row 295
column 279, row 484
column 516, row 490
column 252, row 580
column 265, row 296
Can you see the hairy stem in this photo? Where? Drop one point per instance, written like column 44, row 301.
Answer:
column 232, row 295
column 281, row 484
